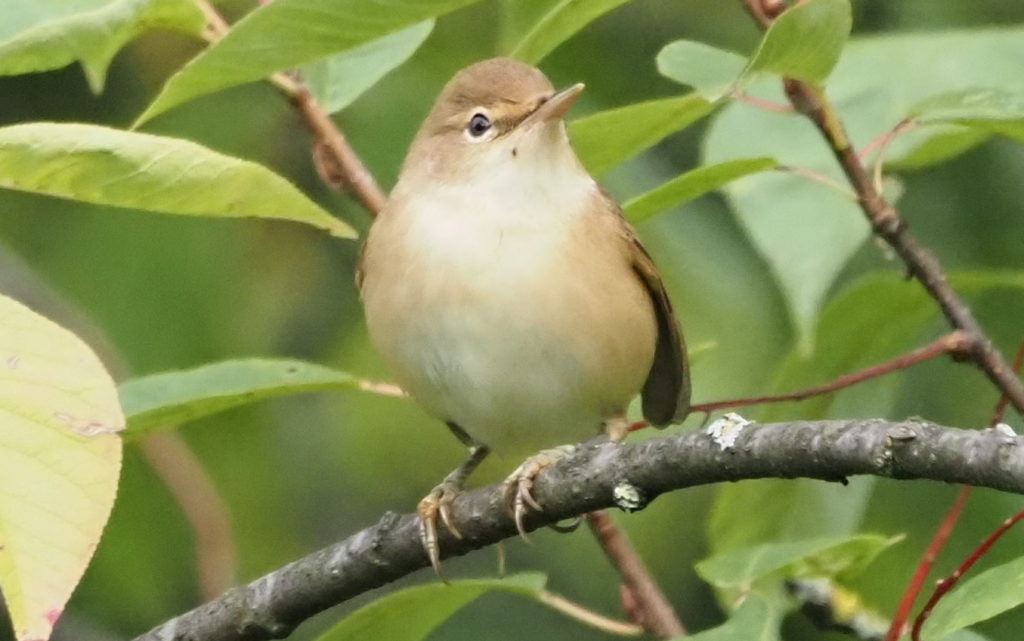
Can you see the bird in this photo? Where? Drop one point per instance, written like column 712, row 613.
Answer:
column 507, row 294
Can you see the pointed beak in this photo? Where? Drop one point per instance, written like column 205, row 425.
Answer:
column 556, row 106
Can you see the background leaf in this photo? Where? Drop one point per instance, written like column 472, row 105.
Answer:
column 339, row 79
column 606, row 138
column 805, row 41
column 141, row 171
column 413, row 613
column 555, row 21
column 753, row 620
column 287, row 33
column 709, row 70
column 692, row 184
column 60, row 459
column 171, row 398
column 38, row 35
column 990, row 110
column 977, row 599
column 806, row 232
column 831, row 557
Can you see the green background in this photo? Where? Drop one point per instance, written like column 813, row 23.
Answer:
column 153, row 293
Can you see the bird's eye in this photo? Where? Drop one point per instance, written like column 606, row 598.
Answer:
column 479, row 124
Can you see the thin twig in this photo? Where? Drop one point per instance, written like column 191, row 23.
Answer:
column 946, row 584
column 903, row 125
column 654, row 610
column 951, row 343
column 204, row 508
column 589, row 617
column 927, row 561
column 887, row 224
column 1000, row 411
column 761, row 103
column 327, row 134
column 819, row 177
column 362, row 182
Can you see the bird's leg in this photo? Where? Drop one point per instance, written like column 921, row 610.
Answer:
column 439, row 502
column 518, row 485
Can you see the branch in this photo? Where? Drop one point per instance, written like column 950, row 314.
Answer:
column 887, row 224
column 649, row 603
column 272, row 606
column 329, row 141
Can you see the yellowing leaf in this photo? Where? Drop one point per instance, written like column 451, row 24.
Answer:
column 60, row 458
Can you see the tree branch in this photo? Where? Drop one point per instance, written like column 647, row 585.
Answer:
column 887, row 223
column 271, row 607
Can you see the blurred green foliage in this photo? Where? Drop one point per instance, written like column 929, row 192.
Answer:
column 154, row 293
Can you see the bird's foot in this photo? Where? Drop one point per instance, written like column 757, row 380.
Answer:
column 518, row 485
column 433, row 507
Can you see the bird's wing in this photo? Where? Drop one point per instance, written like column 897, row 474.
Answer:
column 666, row 392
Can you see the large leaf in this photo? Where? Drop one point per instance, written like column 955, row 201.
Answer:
column 286, row 33
column 169, row 175
column 709, row 70
column 170, row 398
column 805, row 41
column 606, row 138
column 339, row 79
column 38, row 35
column 831, row 557
column 692, row 184
column 552, row 23
column 413, row 613
column 754, row 620
column 60, row 459
column 873, row 319
column 806, row 232
column 990, row 110
column 979, row 598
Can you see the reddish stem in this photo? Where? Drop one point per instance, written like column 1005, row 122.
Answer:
column 951, row 343
column 946, row 584
column 925, row 565
column 1000, row 411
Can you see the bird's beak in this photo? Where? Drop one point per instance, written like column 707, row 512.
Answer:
column 556, row 106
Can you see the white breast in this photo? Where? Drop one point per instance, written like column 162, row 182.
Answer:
column 494, row 309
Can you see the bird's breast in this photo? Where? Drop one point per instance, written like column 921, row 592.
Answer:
column 515, row 315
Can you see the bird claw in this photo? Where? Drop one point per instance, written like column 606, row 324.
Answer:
column 437, row 504
column 518, row 485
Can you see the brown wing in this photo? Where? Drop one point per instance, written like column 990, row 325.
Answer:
column 666, row 392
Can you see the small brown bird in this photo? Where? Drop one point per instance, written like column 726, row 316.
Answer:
column 506, row 292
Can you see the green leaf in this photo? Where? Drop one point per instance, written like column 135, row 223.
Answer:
column 754, row 620
column 413, row 613
column 872, row 319
column 60, row 459
column 805, row 41
column 338, row 80
column 140, row 171
column 829, row 556
column 982, row 597
column 39, row 35
column 607, row 138
column 709, row 70
column 556, row 22
column 806, row 232
column 286, row 33
column 990, row 110
column 170, row 398
column 692, row 184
